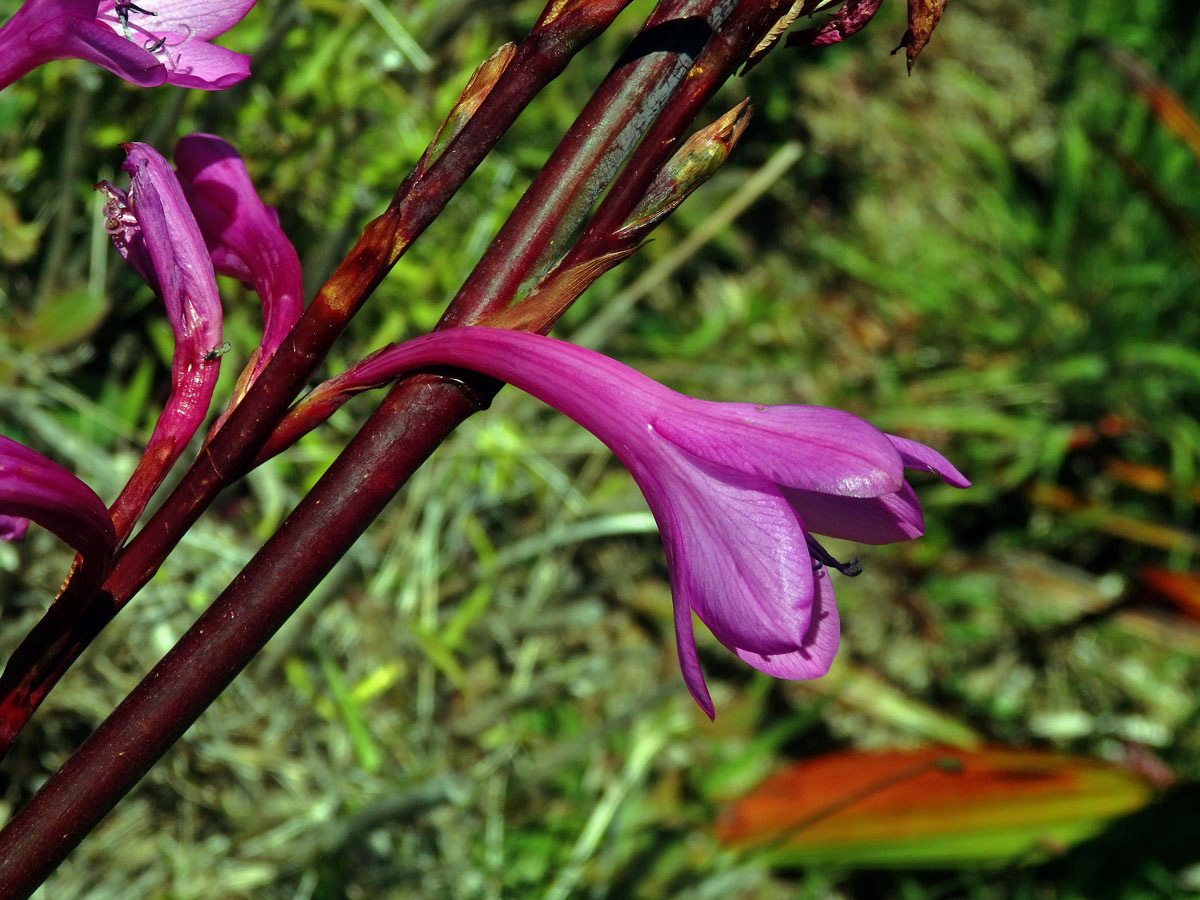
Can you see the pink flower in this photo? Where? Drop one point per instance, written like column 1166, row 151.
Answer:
column 148, row 43
column 153, row 228
column 737, row 490
column 34, row 488
column 176, row 233
column 243, row 236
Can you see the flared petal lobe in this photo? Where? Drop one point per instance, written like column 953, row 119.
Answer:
column 735, row 551
column 148, row 43
column 807, row 447
column 243, row 236
column 917, row 456
column 868, row 520
column 34, row 488
column 176, row 34
column 816, row 652
column 197, row 20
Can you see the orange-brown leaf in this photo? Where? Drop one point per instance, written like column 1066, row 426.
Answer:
column 911, row 806
column 1181, row 589
column 1166, row 106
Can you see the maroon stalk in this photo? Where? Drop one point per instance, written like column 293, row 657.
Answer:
column 539, row 59
column 599, row 142
column 75, row 619
column 728, row 49
column 721, row 56
column 225, row 637
column 413, row 419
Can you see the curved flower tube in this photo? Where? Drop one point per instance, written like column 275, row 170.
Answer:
column 737, row 490
column 34, row 488
column 13, row 528
column 153, row 228
column 243, row 237
column 149, row 43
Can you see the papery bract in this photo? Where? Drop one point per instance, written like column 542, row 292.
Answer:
column 243, row 236
column 152, row 226
column 736, row 489
column 34, row 488
column 148, row 43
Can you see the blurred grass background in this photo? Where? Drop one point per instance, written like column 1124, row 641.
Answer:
column 997, row 256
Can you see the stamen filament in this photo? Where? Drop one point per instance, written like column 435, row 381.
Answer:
column 822, row 557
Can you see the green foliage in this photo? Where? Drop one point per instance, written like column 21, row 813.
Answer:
column 482, row 699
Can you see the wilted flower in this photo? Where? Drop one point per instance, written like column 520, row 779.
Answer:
column 148, row 43
column 34, row 488
column 153, row 228
column 737, row 490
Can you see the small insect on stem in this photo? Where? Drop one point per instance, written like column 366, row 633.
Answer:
column 123, row 8
column 218, row 352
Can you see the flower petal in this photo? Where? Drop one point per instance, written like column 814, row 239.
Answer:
column 177, row 34
column 807, row 447
column 868, row 520
column 42, row 31
column 918, row 456
column 13, row 528
column 186, row 281
column 736, row 552
column 689, row 661
column 203, row 66
column 33, row 487
column 201, row 20
column 154, row 222
column 243, row 235
column 820, row 646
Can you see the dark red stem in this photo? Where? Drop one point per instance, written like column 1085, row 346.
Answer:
column 75, row 620
column 226, row 636
column 599, row 142
column 728, row 49
column 478, row 298
column 412, row 420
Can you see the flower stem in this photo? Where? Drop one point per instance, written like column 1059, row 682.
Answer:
column 58, row 639
column 600, row 243
column 416, row 415
column 616, row 117
column 223, row 640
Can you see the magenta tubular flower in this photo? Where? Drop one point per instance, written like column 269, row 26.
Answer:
column 243, row 237
column 737, row 490
column 148, row 43
column 34, row 488
column 153, row 228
